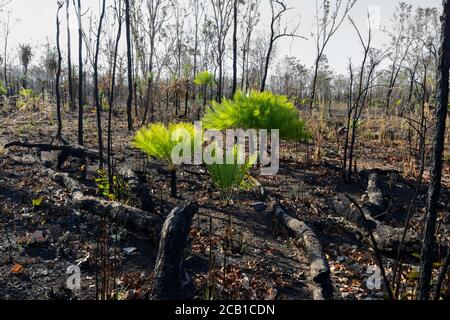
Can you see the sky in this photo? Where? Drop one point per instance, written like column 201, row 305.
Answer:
column 36, row 23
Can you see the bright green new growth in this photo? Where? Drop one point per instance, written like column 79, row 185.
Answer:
column 257, row 110
column 228, row 177
column 204, row 78
column 117, row 192
column 156, row 140
column 3, row 90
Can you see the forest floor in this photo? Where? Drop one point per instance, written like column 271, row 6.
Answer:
column 42, row 232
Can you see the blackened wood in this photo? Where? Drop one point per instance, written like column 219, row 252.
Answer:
column 171, row 279
column 374, row 245
column 129, row 217
column 66, row 150
column 137, row 187
column 319, row 268
column 434, row 191
column 129, row 65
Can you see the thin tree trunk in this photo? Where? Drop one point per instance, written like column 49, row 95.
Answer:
column 69, row 60
column 314, row 85
column 80, row 76
column 441, row 277
column 5, row 57
column 186, row 99
column 434, row 191
column 129, row 63
column 111, row 99
column 266, row 66
column 235, row 47
column 96, row 88
column 58, row 76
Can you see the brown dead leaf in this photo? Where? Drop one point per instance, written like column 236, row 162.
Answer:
column 17, row 268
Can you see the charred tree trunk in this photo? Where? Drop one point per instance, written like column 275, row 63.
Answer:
column 69, row 60
column 171, row 280
column 111, row 96
column 129, row 64
column 434, row 190
column 314, row 84
column 80, row 76
column 96, row 88
column 186, row 99
column 58, row 76
column 266, row 65
column 235, row 47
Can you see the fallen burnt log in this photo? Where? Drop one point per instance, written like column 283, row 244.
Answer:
column 376, row 203
column 319, row 268
column 139, row 189
column 66, row 151
column 171, row 280
column 383, row 185
column 127, row 216
column 388, row 238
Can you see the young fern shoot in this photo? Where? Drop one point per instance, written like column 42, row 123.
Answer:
column 229, row 176
column 159, row 141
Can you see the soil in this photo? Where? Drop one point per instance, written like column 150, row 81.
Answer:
column 262, row 260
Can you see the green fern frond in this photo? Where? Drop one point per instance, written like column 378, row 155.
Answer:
column 204, row 78
column 257, row 110
column 228, row 176
column 156, row 140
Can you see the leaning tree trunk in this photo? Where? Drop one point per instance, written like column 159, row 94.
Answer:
column 111, row 98
column 266, row 65
column 96, row 89
column 434, row 191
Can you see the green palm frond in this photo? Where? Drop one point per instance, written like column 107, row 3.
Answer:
column 257, row 110
column 204, row 78
column 156, row 140
column 228, row 177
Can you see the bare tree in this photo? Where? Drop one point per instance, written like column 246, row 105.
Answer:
column 69, row 59
column 328, row 22
column 434, row 191
column 400, row 45
column 129, row 64
column 358, row 100
column 223, row 10
column 58, row 72
column 235, row 46
column 80, row 73
column 118, row 11
column 278, row 9
column 98, row 106
column 198, row 12
column 250, row 20
column 157, row 16
column 7, row 31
